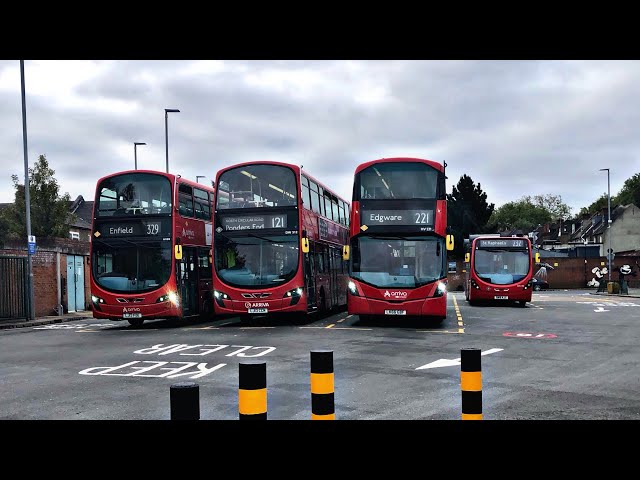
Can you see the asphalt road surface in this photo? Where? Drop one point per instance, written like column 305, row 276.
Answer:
column 567, row 355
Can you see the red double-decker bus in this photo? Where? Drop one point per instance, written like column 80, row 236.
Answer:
column 399, row 239
column 498, row 268
column 278, row 235
column 151, row 247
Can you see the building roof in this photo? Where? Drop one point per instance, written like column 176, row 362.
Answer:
column 82, row 209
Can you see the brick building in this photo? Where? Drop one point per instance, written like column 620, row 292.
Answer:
column 61, row 266
column 60, row 274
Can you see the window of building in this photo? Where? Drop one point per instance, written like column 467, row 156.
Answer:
column 74, row 235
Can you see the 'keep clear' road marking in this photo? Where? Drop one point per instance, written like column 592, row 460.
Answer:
column 444, row 362
column 458, row 314
column 176, row 369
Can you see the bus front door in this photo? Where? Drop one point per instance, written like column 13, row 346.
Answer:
column 309, row 281
column 188, row 281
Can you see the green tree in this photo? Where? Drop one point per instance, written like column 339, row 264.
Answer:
column 552, row 203
column 597, row 205
column 49, row 211
column 467, row 212
column 521, row 214
column 630, row 192
column 4, row 229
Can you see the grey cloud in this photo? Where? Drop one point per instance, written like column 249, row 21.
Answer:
column 517, row 127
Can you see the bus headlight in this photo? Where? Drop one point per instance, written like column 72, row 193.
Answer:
column 170, row 297
column 219, row 297
column 296, row 292
column 352, row 288
column 441, row 288
column 294, row 295
column 96, row 300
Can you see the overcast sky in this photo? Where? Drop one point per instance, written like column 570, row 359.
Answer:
column 516, row 127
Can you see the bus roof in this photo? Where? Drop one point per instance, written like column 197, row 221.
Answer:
column 170, row 176
column 432, row 163
column 296, row 168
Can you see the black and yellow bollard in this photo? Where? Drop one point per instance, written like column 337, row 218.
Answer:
column 252, row 393
column 184, row 399
column 322, row 393
column 471, row 383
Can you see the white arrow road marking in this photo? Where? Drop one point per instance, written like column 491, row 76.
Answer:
column 600, row 309
column 443, row 362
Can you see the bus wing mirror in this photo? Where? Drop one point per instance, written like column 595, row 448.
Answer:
column 467, row 257
column 305, row 245
column 178, row 252
column 537, row 257
column 449, row 242
column 345, row 252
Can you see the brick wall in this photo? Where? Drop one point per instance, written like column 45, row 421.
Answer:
column 44, row 270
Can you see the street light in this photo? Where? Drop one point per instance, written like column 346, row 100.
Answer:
column 166, row 131
column 199, row 176
column 135, row 152
column 609, row 251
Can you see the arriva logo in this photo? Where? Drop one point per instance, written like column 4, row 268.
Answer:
column 388, row 294
column 188, row 233
column 130, row 309
column 255, row 305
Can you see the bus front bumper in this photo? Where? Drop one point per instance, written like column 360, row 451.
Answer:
column 143, row 311
column 430, row 307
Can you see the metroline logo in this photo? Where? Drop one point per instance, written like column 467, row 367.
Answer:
column 396, row 294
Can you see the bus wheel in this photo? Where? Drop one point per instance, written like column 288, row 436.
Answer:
column 136, row 322
column 436, row 321
column 522, row 303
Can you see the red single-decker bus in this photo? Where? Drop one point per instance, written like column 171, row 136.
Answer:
column 498, row 268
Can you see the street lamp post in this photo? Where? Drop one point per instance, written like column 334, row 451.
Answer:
column 609, row 251
column 27, row 196
column 199, row 176
column 135, row 152
column 167, row 111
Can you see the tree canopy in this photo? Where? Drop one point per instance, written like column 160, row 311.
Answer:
column 467, row 211
column 49, row 211
column 521, row 214
column 597, row 205
column 630, row 192
column 551, row 203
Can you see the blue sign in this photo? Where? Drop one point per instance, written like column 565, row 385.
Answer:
column 32, row 248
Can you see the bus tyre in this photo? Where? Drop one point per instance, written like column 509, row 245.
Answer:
column 136, row 322
column 522, row 303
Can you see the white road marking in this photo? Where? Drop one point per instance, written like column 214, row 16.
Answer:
column 443, row 362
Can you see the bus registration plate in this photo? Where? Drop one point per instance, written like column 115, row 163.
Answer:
column 501, row 297
column 395, row 312
column 131, row 315
column 258, row 310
